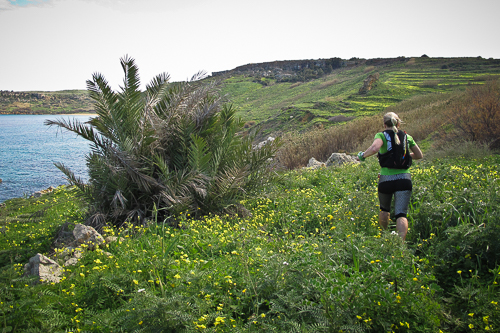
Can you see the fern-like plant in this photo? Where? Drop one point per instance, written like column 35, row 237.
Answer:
column 175, row 145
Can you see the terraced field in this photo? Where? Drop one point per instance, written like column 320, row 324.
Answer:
column 336, row 98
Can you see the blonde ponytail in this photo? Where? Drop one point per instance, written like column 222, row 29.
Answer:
column 395, row 129
column 392, row 121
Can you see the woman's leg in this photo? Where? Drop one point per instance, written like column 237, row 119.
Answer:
column 383, row 219
column 402, row 227
column 401, row 203
column 385, row 208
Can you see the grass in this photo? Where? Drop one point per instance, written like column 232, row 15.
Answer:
column 310, row 258
column 29, row 225
column 268, row 102
column 309, row 255
column 285, row 107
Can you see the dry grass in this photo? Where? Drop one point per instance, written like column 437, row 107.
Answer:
column 423, row 116
column 486, row 78
column 368, row 69
column 327, row 84
column 429, row 84
column 411, row 62
column 249, row 124
column 459, row 148
column 321, row 143
column 296, row 84
column 340, row 119
column 476, row 116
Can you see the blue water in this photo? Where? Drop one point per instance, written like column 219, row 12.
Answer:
column 29, row 149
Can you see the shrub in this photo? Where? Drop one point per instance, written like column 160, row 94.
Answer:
column 368, row 69
column 422, row 116
column 477, row 116
column 472, row 250
column 320, row 144
column 327, row 84
column 175, row 146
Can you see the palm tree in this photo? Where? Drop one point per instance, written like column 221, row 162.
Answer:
column 176, row 146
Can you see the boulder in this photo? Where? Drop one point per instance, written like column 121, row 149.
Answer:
column 70, row 252
column 87, row 235
column 315, row 164
column 112, row 239
column 46, row 269
column 70, row 262
column 69, row 256
column 38, row 194
column 368, row 83
column 338, row 159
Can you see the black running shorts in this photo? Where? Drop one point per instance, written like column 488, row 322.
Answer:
column 398, row 186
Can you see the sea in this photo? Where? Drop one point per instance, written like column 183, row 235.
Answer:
column 29, row 149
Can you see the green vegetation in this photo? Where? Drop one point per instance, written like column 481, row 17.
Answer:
column 300, row 101
column 310, row 258
column 302, row 252
column 44, row 102
column 176, row 147
column 28, row 225
column 281, row 107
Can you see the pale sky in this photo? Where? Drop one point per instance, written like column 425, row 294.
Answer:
column 53, row 45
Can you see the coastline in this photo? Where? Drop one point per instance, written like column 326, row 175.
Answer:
column 70, row 114
column 30, row 149
column 50, row 114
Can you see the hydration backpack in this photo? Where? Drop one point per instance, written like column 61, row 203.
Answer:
column 397, row 156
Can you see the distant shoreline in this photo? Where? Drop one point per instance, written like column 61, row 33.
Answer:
column 71, row 114
column 50, row 114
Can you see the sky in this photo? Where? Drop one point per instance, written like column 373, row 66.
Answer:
column 50, row 45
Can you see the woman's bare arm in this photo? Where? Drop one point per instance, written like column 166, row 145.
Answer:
column 416, row 153
column 374, row 148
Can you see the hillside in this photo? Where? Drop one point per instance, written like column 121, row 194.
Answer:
column 283, row 96
column 38, row 102
column 358, row 88
column 302, row 253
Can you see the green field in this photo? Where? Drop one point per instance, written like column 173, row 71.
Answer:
column 304, row 252
column 309, row 258
column 283, row 107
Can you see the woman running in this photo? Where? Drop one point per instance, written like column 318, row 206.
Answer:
column 395, row 159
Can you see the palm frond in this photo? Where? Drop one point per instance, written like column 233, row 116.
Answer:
column 84, row 189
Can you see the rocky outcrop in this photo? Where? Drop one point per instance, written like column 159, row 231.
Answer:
column 287, row 70
column 38, row 194
column 87, row 235
column 315, row 164
column 339, row 159
column 335, row 159
column 49, row 270
column 263, row 143
column 44, row 268
column 368, row 83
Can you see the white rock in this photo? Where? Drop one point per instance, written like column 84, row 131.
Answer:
column 314, row 163
column 87, row 235
column 339, row 159
column 46, row 269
